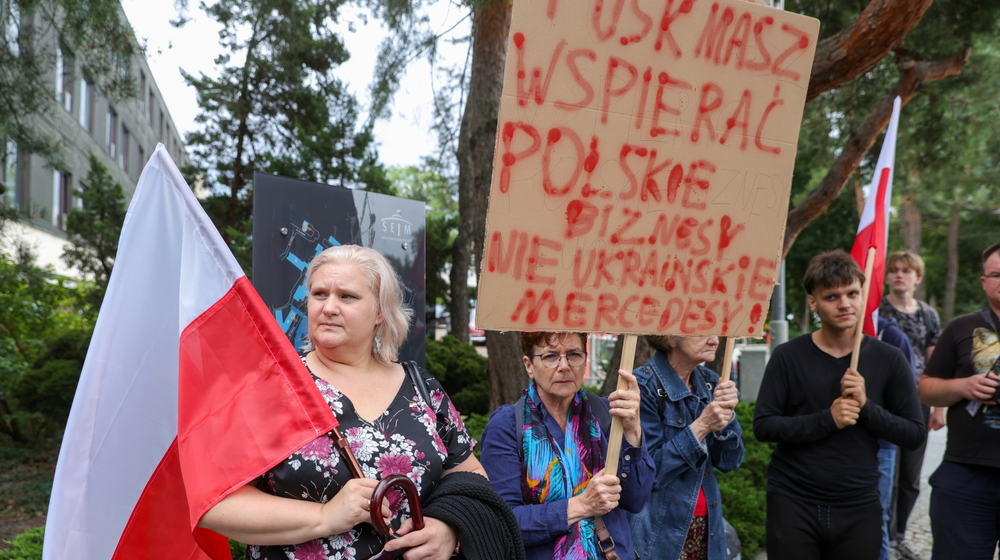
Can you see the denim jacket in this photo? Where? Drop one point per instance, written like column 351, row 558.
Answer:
column 683, row 464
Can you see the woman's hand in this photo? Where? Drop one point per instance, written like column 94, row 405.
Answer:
column 625, row 404
column 436, row 541
column 719, row 413
column 601, row 496
column 726, row 395
column 349, row 507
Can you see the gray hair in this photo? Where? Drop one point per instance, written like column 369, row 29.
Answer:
column 384, row 284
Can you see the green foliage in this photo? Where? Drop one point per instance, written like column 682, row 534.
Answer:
column 49, row 385
column 98, row 37
column 946, row 143
column 835, row 228
column 26, row 546
column 744, row 495
column 237, row 549
column 462, row 373
column 476, row 423
column 279, row 109
column 428, row 184
column 35, row 308
column 94, row 229
column 979, row 229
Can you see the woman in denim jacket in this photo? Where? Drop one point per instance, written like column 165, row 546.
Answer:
column 690, row 427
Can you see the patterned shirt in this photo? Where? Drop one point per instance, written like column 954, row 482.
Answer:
column 922, row 327
column 408, row 438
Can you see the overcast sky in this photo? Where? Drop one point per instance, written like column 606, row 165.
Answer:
column 403, row 139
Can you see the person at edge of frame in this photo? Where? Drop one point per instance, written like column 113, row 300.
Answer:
column 962, row 375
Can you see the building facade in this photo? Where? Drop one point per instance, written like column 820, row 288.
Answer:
column 122, row 135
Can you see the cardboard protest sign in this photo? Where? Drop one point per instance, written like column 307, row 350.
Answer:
column 643, row 165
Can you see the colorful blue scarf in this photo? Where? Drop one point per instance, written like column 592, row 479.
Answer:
column 560, row 470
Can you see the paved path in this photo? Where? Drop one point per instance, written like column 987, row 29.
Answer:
column 918, row 532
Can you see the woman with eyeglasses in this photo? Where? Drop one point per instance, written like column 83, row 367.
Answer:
column 545, row 455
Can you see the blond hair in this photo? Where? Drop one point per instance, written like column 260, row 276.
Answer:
column 384, row 284
column 909, row 260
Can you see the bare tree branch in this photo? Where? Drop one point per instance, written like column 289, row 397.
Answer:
column 914, row 76
column 881, row 27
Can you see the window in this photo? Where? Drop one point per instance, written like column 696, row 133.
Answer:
column 111, row 133
column 59, row 74
column 123, row 152
column 78, row 200
column 62, row 193
column 149, row 107
column 161, row 126
column 12, row 28
column 8, row 171
column 142, row 157
column 86, row 103
column 142, row 91
column 65, row 68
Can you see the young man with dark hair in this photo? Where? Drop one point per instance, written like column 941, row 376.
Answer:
column 962, row 375
column 904, row 271
column 822, row 489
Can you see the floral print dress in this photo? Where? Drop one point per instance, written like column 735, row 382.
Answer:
column 409, row 438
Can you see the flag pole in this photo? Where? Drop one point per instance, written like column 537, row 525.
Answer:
column 859, row 331
column 727, row 359
column 617, row 430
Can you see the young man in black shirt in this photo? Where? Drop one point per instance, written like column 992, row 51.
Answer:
column 962, row 375
column 904, row 271
column 822, row 489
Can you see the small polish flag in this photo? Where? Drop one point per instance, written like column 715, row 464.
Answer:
column 873, row 230
column 189, row 391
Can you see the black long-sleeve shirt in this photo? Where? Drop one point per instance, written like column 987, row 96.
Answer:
column 814, row 461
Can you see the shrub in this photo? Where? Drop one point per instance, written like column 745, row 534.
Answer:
column 476, row 423
column 26, row 546
column 237, row 549
column 744, row 496
column 462, row 373
column 48, row 386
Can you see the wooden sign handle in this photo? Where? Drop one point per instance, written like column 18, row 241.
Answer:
column 617, row 430
column 859, row 332
column 727, row 360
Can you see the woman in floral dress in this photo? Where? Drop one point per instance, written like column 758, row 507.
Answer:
column 309, row 507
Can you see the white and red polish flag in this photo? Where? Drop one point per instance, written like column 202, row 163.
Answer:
column 189, row 391
column 873, row 230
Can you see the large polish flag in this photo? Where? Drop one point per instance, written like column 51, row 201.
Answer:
column 189, row 391
column 873, row 230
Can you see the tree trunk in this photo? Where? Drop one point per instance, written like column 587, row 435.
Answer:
column 914, row 76
column 806, row 314
column 477, row 137
column 910, row 224
column 951, row 279
column 8, row 427
column 506, row 373
column 642, row 353
column 881, row 27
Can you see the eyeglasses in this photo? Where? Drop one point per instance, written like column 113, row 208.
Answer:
column 993, row 275
column 551, row 359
